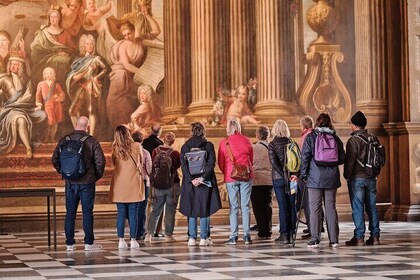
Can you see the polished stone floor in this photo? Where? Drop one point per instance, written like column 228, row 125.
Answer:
column 27, row 256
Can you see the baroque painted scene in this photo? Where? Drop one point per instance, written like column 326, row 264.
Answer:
column 138, row 62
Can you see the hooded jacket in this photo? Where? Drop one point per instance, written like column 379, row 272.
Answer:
column 321, row 177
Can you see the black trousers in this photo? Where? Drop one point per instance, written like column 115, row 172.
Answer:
column 261, row 199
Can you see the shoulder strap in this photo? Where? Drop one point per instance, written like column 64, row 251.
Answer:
column 263, row 144
column 229, row 152
column 83, row 139
column 50, row 92
column 365, row 140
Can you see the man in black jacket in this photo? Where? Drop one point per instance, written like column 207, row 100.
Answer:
column 153, row 141
column 362, row 188
column 82, row 189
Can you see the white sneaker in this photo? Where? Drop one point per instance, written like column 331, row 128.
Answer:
column 206, row 242
column 122, row 244
column 169, row 239
column 134, row 244
column 71, row 247
column 93, row 247
column 192, row 242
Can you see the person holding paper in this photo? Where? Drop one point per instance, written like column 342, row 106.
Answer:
column 200, row 196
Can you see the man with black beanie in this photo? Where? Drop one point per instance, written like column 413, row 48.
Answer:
column 362, row 187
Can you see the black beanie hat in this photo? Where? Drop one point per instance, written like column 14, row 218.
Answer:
column 359, row 119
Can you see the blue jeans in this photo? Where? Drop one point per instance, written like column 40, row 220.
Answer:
column 239, row 192
column 363, row 194
column 132, row 210
column 208, row 227
column 204, row 227
column 287, row 207
column 164, row 198
column 142, row 213
column 86, row 194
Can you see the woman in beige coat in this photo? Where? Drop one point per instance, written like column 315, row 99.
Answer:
column 127, row 184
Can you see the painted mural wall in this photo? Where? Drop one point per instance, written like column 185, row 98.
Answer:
column 63, row 59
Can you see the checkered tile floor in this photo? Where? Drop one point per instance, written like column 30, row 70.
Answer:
column 27, row 256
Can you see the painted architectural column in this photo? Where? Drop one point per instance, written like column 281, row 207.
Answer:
column 275, row 61
column 371, row 77
column 177, row 58
column 242, row 40
column 210, row 62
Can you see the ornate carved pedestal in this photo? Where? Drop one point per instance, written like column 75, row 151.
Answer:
column 322, row 90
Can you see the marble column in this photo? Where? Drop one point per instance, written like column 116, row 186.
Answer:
column 275, row 61
column 210, row 62
column 371, row 91
column 242, row 40
column 177, row 36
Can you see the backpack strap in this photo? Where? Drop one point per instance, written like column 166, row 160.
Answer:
column 364, row 140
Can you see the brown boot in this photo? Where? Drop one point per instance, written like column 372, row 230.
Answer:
column 373, row 240
column 355, row 242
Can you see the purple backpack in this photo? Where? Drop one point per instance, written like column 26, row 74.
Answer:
column 326, row 150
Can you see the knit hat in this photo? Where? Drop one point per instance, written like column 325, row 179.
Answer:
column 359, row 119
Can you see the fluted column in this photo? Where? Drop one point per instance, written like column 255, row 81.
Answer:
column 124, row 7
column 242, row 40
column 209, row 54
column 275, row 61
column 177, row 57
column 371, row 92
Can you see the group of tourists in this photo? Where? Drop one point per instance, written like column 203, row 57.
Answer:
column 147, row 187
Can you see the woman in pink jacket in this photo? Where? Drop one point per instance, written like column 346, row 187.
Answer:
column 242, row 152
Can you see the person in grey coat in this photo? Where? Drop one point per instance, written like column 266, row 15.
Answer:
column 197, row 199
column 322, row 183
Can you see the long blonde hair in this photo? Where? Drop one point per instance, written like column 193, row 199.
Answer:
column 122, row 142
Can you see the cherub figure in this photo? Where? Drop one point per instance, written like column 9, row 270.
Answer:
column 219, row 107
column 50, row 94
column 239, row 106
column 94, row 14
column 72, row 16
column 149, row 110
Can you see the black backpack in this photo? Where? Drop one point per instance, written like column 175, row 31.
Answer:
column 72, row 166
column 375, row 156
column 197, row 160
column 162, row 177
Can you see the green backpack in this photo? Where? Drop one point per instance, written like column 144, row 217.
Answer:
column 292, row 157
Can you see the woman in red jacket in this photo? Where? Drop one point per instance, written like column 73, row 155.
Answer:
column 241, row 150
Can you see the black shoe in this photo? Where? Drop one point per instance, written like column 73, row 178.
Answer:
column 355, row 242
column 373, row 240
column 247, row 240
column 254, row 227
column 158, row 235
column 231, row 241
column 313, row 244
column 288, row 239
column 306, row 230
column 306, row 236
column 281, row 238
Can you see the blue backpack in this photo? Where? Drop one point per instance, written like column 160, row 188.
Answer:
column 72, row 166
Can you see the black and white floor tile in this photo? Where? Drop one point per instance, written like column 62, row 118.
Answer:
column 27, row 256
